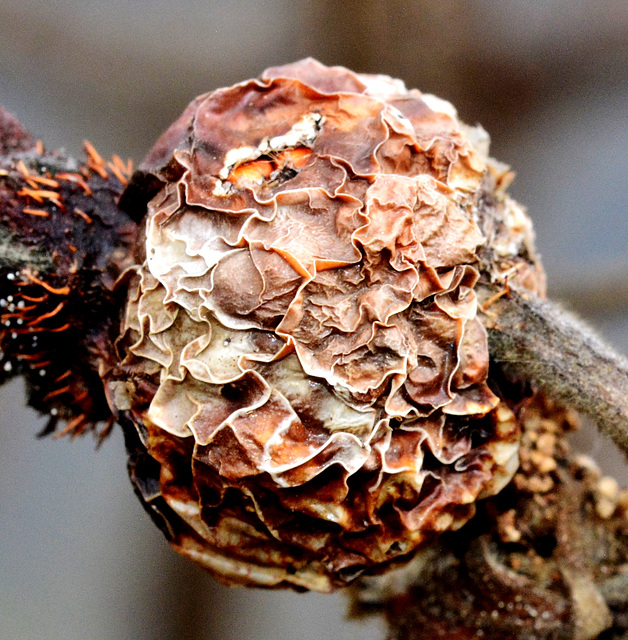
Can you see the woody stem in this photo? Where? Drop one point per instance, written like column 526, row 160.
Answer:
column 542, row 343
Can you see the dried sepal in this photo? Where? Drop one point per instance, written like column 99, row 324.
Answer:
column 302, row 359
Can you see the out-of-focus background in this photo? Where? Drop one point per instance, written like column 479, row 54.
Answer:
column 79, row 559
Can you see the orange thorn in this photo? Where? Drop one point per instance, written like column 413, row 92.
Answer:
column 63, row 327
column 39, row 365
column 57, row 392
column 73, row 425
column 80, row 398
column 31, row 193
column 94, row 160
column 494, row 298
column 21, row 167
column 117, row 173
column 83, row 215
column 125, row 168
column 42, row 213
column 60, row 291
column 77, row 179
column 106, row 430
column 47, row 182
column 31, row 298
column 27, row 356
column 45, row 316
column 40, row 195
column 63, row 376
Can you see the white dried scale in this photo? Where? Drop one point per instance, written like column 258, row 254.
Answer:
column 303, row 374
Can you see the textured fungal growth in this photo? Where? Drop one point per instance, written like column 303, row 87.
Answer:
column 304, row 373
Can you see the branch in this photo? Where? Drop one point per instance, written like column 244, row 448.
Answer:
column 64, row 241
column 540, row 342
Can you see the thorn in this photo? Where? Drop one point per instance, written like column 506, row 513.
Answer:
column 83, row 215
column 60, row 291
column 48, row 315
column 74, row 425
column 57, row 392
column 40, row 195
column 76, row 179
column 41, row 213
column 94, row 160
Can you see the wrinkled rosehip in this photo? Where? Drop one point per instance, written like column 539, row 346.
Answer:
column 304, row 373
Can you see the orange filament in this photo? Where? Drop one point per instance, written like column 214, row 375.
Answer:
column 40, row 195
column 77, row 179
column 57, row 392
column 48, row 315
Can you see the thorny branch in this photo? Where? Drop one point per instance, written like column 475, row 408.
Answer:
column 63, row 243
column 546, row 558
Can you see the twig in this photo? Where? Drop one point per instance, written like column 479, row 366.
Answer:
column 540, row 342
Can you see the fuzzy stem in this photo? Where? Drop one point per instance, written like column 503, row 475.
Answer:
column 542, row 343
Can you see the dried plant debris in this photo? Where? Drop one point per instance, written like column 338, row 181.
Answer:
column 546, row 559
column 304, row 377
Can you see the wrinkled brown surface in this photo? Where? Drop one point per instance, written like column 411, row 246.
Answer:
column 303, row 334
column 547, row 559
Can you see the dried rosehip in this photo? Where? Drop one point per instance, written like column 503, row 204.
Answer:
column 303, row 376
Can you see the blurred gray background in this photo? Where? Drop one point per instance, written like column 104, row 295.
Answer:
column 79, row 559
